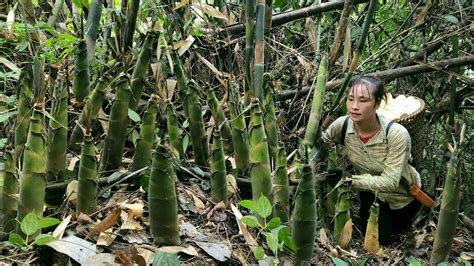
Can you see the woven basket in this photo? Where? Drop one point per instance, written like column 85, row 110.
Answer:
column 415, row 123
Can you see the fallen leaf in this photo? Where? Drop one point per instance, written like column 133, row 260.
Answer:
column 188, row 43
column 146, row 254
column 107, row 223
column 128, row 223
column 181, row 4
column 190, row 250
column 135, row 209
column 419, row 239
column 59, row 231
column 76, row 248
column 231, row 184
column 136, row 237
column 243, row 228
column 217, row 207
column 101, row 259
column 84, row 219
column 72, row 163
column 106, row 238
column 198, row 203
column 211, row 11
column 323, row 238
column 71, row 191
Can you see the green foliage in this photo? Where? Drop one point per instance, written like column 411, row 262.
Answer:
column 276, row 235
column 30, row 224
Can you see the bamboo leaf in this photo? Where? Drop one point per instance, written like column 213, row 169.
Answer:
column 339, row 262
column 47, row 222
column 133, row 115
column 30, row 224
column 273, row 223
column 259, row 253
column 16, row 239
column 10, row 65
column 5, row 116
column 251, row 221
column 249, row 204
column 211, row 11
column 264, row 207
column 44, row 239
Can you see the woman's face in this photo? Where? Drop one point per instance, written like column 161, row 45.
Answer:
column 361, row 103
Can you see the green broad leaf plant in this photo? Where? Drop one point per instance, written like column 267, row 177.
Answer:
column 277, row 235
column 29, row 226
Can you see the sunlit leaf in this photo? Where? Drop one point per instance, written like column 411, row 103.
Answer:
column 251, row 221
column 30, row 224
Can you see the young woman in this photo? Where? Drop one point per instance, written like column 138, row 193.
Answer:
column 380, row 161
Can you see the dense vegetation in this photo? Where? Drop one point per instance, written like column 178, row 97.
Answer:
column 169, row 113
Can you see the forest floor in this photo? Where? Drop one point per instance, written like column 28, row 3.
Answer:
column 210, row 234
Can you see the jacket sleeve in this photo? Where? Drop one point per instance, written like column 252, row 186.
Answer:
column 399, row 144
column 333, row 132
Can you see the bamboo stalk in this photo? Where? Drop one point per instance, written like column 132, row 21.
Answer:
column 371, row 240
column 312, row 128
column 81, row 83
column 282, row 193
column 92, row 28
column 174, row 135
column 260, row 173
column 131, row 24
column 304, row 218
column 357, row 53
column 9, row 191
column 87, row 178
column 248, row 52
column 259, row 50
column 331, row 198
column 140, row 71
column 142, row 156
column 111, row 158
column 163, row 205
column 342, row 219
column 57, row 8
column 239, row 132
column 269, row 117
column 218, row 171
column 32, row 178
column 219, row 119
column 90, row 112
column 448, row 214
column 25, row 107
column 196, row 127
column 340, row 32
column 57, row 135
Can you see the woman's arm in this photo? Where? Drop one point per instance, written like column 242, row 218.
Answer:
column 333, row 132
column 399, row 145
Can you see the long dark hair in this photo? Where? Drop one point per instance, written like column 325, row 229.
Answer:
column 370, row 82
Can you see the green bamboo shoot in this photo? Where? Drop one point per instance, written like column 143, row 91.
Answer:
column 259, row 50
column 58, row 6
column 142, row 156
column 218, row 172
column 316, row 107
column 92, row 28
column 448, row 214
column 260, row 173
column 111, row 158
column 174, row 135
column 181, row 78
column 9, row 200
column 32, row 178
column 140, row 71
column 342, row 219
column 331, row 198
column 269, row 117
column 90, row 112
column 81, row 84
column 25, row 107
column 219, row 119
column 239, row 132
column 87, row 178
column 282, row 193
column 304, row 218
column 163, row 205
column 249, row 40
column 371, row 240
column 196, row 127
column 132, row 15
column 57, row 135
